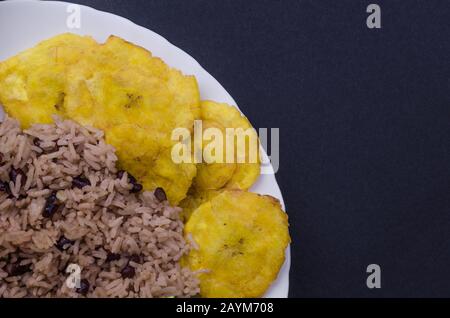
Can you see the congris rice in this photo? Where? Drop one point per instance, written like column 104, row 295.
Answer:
column 64, row 205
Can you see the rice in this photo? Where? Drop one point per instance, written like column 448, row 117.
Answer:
column 124, row 244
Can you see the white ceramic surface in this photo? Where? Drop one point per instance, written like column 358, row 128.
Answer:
column 24, row 23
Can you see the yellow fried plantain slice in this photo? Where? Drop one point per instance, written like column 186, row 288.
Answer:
column 233, row 175
column 194, row 199
column 241, row 238
column 32, row 83
column 141, row 154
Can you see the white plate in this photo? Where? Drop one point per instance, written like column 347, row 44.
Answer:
column 25, row 23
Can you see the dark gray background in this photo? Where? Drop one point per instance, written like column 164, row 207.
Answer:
column 364, row 121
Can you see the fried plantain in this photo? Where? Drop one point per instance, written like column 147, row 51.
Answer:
column 214, row 177
column 32, row 83
column 121, row 88
column 144, row 101
column 194, row 199
column 241, row 238
column 225, row 174
column 145, row 158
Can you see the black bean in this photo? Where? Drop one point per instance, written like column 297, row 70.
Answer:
column 51, row 206
column 37, row 142
column 136, row 188
column 50, row 210
column 120, row 174
column 17, row 270
column 128, row 272
column 84, row 287
column 160, row 194
column 131, row 178
column 52, row 197
column 22, row 197
column 135, row 258
column 14, row 173
column 4, row 186
column 112, row 257
column 80, row 182
column 1, row 158
column 63, row 243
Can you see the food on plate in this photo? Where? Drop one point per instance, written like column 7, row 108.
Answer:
column 139, row 152
column 33, row 83
column 63, row 203
column 105, row 199
column 213, row 177
column 235, row 175
column 117, row 87
column 240, row 240
column 194, row 199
